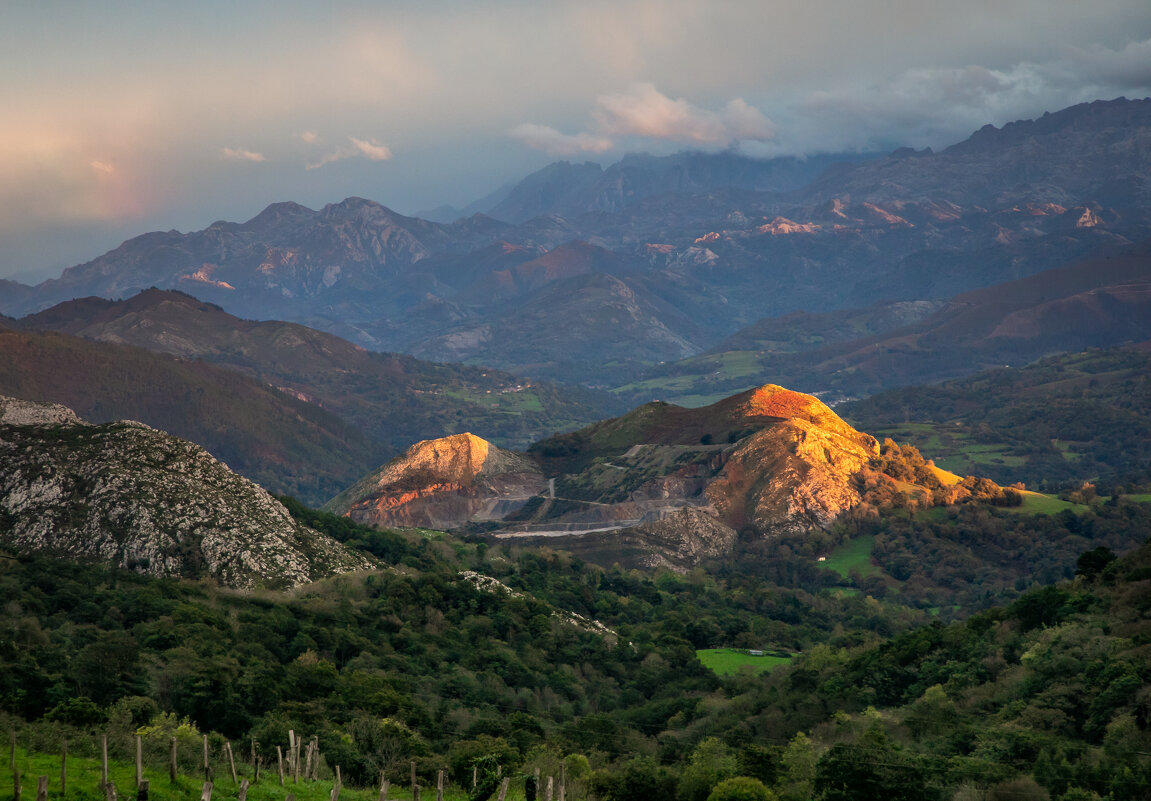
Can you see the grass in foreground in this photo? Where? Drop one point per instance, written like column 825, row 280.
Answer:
column 729, row 661
column 84, row 779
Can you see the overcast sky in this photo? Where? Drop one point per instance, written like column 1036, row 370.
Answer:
column 118, row 118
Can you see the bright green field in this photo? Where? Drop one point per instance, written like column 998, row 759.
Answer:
column 692, row 389
column 1035, row 503
column 853, row 555
column 728, row 661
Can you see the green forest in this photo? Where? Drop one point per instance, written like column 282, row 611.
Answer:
column 984, row 652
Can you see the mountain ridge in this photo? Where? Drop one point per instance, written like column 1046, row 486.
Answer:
column 659, row 486
column 143, row 500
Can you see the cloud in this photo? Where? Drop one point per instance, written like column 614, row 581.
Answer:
column 646, row 112
column 310, row 137
column 236, row 154
column 555, row 143
column 940, row 105
column 371, row 149
column 102, row 167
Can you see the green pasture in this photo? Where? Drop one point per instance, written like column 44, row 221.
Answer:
column 1036, row 503
column 83, row 777
column 853, row 555
column 729, row 661
column 696, row 388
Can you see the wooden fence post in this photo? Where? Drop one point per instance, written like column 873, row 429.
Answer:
column 440, row 786
column 206, row 793
column 563, row 780
column 172, row 763
column 110, row 792
column 414, row 785
column 280, row 756
column 231, row 761
column 383, row 787
column 504, row 789
column 15, row 785
column 308, row 761
column 12, row 754
column 293, row 756
column 42, row 789
column 243, row 796
column 103, row 760
column 207, row 768
column 142, row 790
column 548, row 792
column 139, row 760
column 316, row 758
column 64, row 768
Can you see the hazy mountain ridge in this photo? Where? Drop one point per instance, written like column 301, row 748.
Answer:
column 1098, row 302
column 144, row 500
column 388, row 397
column 271, row 437
column 708, row 247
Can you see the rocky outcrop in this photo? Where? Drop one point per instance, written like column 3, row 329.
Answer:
column 144, row 500
column 795, row 474
column 661, row 486
column 442, row 483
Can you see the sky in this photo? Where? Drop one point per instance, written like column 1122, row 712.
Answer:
column 118, row 118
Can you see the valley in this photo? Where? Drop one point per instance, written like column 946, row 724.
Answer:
column 826, row 476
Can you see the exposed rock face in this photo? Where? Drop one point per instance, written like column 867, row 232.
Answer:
column 144, row 500
column 661, row 486
column 442, row 483
column 684, row 538
column 16, row 412
column 795, row 475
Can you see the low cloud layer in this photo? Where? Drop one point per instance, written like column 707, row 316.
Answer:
column 645, row 113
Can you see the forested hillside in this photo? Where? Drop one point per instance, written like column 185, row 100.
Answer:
column 423, row 660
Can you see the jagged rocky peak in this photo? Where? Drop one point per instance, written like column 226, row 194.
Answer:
column 458, row 458
column 442, row 483
column 772, row 400
column 140, row 499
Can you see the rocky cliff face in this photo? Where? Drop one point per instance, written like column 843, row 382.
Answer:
column 442, row 483
column 144, row 500
column 796, row 474
column 660, row 486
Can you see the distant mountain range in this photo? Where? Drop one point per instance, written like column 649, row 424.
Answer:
column 1102, row 301
column 594, row 275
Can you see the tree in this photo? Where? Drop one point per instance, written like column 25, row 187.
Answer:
column 742, row 788
column 711, row 763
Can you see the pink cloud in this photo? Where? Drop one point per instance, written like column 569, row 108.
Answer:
column 647, row 112
column 555, row 143
column 237, row 154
